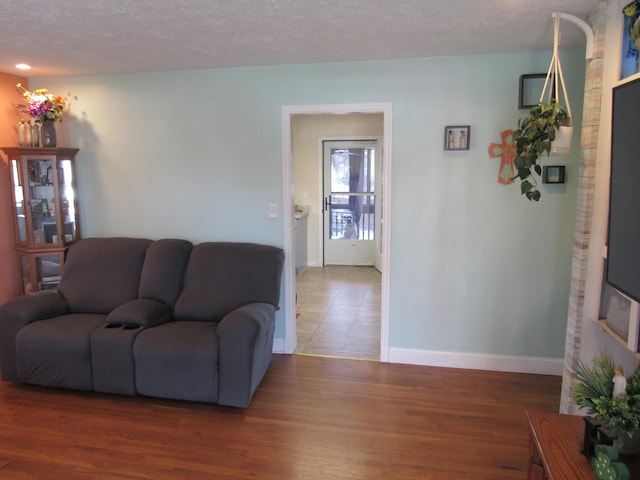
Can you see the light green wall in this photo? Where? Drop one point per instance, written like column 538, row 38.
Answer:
column 197, row 155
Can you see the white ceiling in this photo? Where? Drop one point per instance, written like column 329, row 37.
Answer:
column 79, row 37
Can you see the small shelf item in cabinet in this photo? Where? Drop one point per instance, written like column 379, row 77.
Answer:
column 45, row 211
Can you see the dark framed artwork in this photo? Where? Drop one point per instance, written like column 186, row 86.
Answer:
column 553, row 174
column 457, row 137
column 531, row 86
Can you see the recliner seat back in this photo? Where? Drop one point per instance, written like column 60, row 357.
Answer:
column 223, row 276
column 163, row 270
column 101, row 274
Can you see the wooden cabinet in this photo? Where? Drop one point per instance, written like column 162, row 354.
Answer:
column 45, row 211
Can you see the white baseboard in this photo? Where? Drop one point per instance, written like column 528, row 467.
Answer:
column 473, row 361
column 284, row 345
column 478, row 361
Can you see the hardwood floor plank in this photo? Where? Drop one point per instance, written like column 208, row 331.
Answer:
column 312, row 418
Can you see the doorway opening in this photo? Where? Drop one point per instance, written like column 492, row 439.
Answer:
column 384, row 146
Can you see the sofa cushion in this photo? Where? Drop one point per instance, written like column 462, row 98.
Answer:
column 221, row 277
column 178, row 360
column 141, row 312
column 164, row 266
column 56, row 353
column 102, row 273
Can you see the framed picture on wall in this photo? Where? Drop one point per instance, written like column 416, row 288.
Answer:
column 530, row 89
column 457, row 137
column 553, row 174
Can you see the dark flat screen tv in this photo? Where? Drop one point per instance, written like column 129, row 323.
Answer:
column 623, row 243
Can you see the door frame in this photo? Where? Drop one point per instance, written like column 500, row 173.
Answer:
column 288, row 111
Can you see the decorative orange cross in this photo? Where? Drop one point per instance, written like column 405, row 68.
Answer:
column 506, row 150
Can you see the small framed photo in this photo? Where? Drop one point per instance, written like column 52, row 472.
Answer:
column 553, row 174
column 457, row 137
column 530, row 89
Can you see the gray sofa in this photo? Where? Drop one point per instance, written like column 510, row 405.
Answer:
column 162, row 318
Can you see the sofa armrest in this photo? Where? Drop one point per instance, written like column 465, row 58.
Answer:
column 142, row 312
column 245, row 338
column 19, row 312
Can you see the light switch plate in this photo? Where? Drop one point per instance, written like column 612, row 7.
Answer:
column 273, row 210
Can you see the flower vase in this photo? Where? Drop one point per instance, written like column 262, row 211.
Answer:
column 24, row 134
column 34, row 135
column 48, row 134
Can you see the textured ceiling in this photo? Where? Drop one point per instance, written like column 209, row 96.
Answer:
column 78, row 37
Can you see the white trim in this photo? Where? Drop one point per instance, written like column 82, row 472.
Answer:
column 470, row 361
column 386, row 232
column 478, row 361
column 597, row 250
column 288, row 343
column 278, row 345
column 584, row 26
column 290, row 339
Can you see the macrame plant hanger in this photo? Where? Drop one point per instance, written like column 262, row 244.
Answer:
column 552, row 84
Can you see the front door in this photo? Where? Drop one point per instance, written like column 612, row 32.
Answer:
column 351, row 212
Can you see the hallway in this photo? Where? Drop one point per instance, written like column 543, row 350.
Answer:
column 339, row 312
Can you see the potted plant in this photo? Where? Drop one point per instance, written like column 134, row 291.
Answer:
column 533, row 138
column 616, row 405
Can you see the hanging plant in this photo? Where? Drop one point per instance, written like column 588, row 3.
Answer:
column 547, row 122
column 533, row 139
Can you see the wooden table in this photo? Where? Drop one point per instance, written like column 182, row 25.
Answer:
column 554, row 446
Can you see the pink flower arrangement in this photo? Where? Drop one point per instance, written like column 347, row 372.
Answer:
column 42, row 104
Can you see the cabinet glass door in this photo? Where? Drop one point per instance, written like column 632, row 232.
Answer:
column 18, row 197
column 67, row 201
column 41, row 272
column 42, row 202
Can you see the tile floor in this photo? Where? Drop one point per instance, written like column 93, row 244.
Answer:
column 339, row 312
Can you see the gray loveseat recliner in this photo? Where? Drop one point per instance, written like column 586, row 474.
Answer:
column 162, row 318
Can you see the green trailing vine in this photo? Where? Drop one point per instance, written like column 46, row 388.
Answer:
column 533, row 139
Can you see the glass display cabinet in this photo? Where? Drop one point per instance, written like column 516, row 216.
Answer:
column 45, row 211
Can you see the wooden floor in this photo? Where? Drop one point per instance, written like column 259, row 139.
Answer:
column 312, row 418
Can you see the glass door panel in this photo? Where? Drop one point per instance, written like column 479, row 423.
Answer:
column 41, row 272
column 67, row 201
column 48, row 269
column 352, row 217
column 18, row 198
column 42, row 202
column 350, row 203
